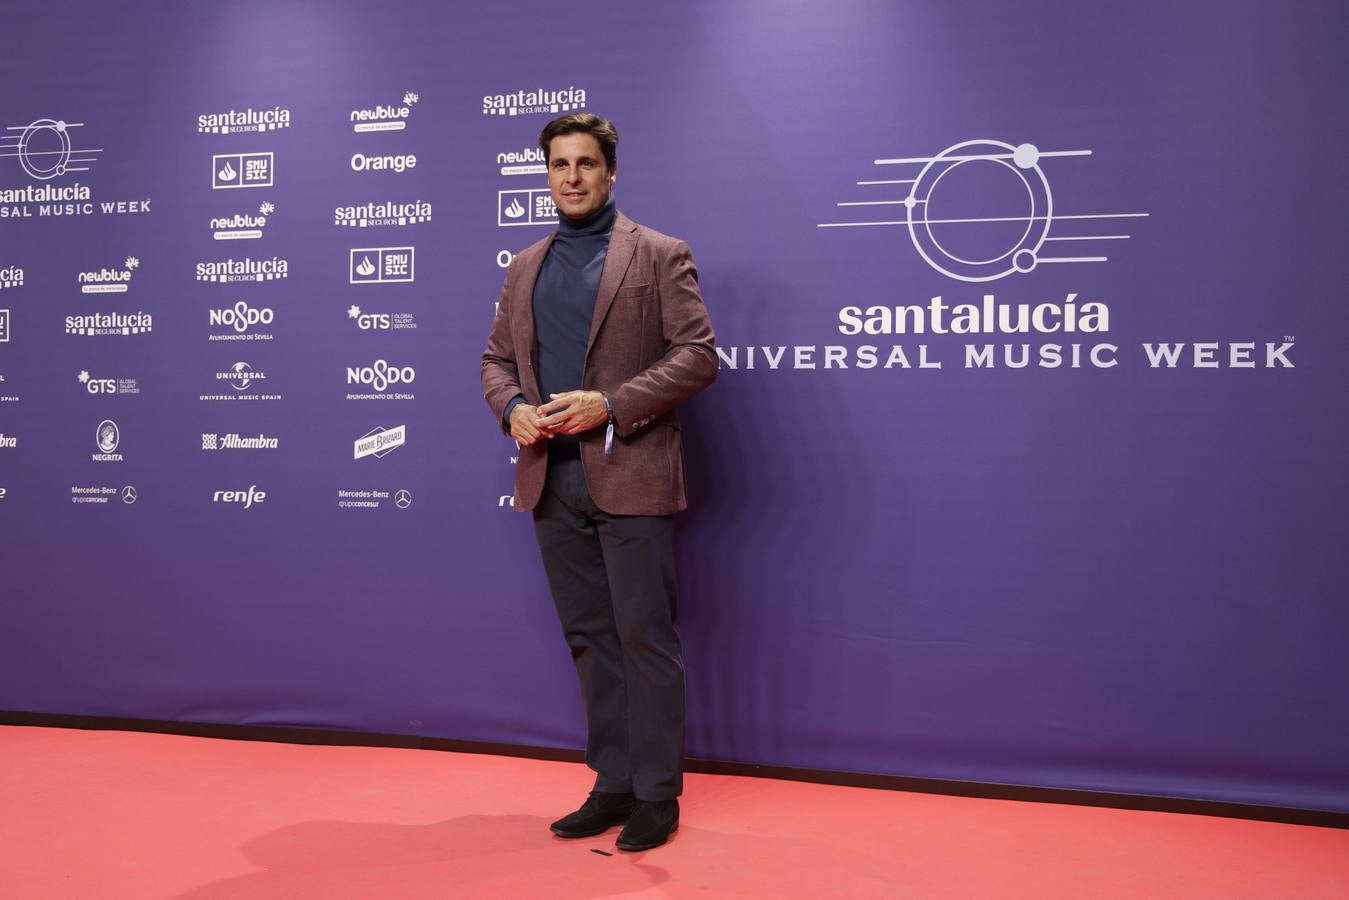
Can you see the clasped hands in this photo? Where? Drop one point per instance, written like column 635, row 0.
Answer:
column 570, row 413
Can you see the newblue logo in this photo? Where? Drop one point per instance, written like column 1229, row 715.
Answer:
column 528, row 161
column 109, row 281
column 242, row 226
column 242, row 170
column 384, row 118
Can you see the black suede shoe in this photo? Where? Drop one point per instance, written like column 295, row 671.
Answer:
column 598, row 814
column 650, row 825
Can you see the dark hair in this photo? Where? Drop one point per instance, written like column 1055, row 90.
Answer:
column 600, row 129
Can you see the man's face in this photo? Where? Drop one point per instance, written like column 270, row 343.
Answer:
column 578, row 177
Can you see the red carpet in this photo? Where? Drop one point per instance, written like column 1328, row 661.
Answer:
column 96, row 815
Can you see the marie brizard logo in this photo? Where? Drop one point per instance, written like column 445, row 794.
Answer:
column 982, row 210
column 379, row 442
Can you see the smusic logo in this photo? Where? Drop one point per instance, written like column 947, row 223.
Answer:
column 235, row 121
column 526, row 207
column 4, row 326
column 382, row 265
column 242, row 170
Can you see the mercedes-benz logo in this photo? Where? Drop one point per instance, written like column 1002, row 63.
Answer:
column 403, row 499
column 129, row 494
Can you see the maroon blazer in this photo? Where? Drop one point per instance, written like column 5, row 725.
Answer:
column 650, row 349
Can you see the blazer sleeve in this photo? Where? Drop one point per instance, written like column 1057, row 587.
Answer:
column 689, row 363
column 500, row 370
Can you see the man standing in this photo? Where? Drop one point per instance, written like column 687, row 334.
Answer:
column 600, row 333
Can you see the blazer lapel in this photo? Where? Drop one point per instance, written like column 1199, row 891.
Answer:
column 622, row 244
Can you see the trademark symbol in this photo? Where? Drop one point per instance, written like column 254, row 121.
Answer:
column 1288, row 338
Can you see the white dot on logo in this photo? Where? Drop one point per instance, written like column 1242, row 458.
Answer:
column 1026, row 156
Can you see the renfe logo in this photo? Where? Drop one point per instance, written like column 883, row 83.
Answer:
column 253, row 495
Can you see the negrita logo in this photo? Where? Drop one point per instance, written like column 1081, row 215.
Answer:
column 107, row 438
column 384, row 118
column 236, row 120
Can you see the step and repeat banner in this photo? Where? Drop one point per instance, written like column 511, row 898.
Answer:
column 1026, row 459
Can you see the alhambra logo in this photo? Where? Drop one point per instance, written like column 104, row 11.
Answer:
column 234, row 121
column 375, row 215
column 539, row 100
column 983, row 210
column 385, row 118
column 246, row 269
column 109, row 281
column 242, row 226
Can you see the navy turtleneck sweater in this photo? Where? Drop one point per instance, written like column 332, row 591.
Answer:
column 564, row 304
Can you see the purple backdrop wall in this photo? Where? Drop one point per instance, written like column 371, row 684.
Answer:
column 1126, row 574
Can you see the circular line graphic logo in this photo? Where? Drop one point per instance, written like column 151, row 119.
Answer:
column 1010, row 242
column 57, row 166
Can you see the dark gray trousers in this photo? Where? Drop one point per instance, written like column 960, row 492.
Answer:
column 613, row 582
